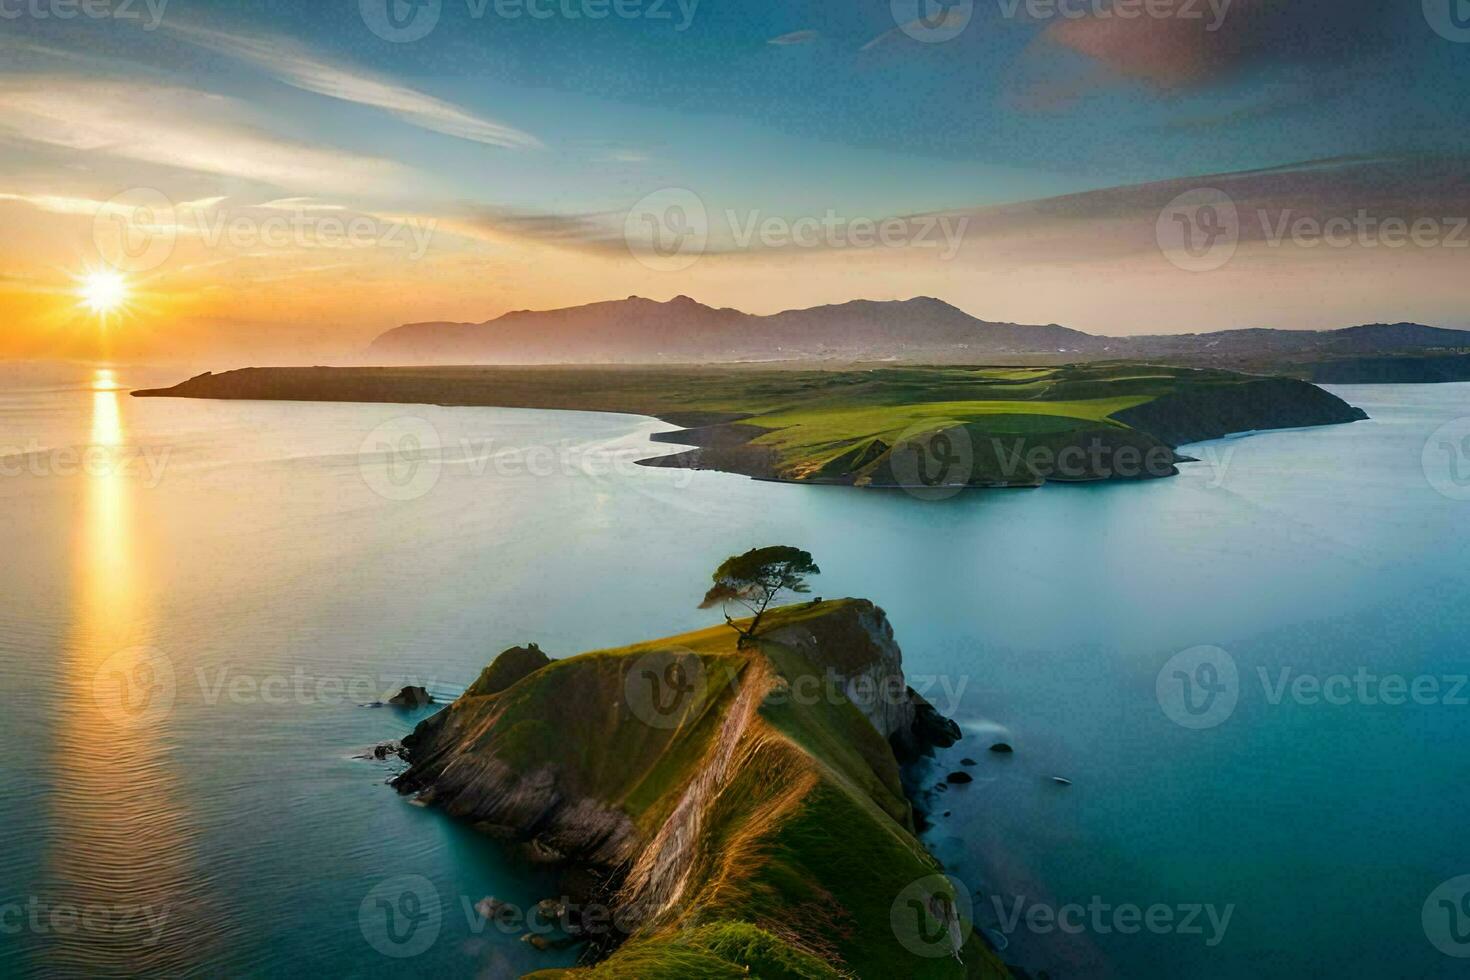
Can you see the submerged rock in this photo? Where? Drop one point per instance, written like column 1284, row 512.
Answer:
column 1002, row 748
column 490, row 907
column 959, row 777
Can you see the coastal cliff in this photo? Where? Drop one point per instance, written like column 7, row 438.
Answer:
column 741, row 809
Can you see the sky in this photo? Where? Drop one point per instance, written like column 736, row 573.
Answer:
column 271, row 181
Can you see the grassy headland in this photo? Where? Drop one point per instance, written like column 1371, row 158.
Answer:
column 742, row 806
column 889, row 426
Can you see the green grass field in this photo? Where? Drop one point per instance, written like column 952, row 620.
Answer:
column 880, row 426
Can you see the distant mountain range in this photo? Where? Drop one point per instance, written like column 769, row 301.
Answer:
column 637, row 330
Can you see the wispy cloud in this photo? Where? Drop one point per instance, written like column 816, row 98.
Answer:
column 594, row 231
column 177, row 128
column 298, row 68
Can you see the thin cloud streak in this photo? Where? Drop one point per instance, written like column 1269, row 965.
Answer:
column 176, row 128
column 299, row 69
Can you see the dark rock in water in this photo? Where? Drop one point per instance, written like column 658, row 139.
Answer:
column 941, row 787
column 411, row 697
column 550, row 909
column 947, row 812
column 959, row 777
column 1004, row 748
column 539, row 942
column 929, row 730
column 386, row 749
column 967, row 761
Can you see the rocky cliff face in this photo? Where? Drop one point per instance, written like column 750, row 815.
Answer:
column 1210, row 412
column 690, row 776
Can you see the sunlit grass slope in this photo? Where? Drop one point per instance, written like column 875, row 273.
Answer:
column 766, row 834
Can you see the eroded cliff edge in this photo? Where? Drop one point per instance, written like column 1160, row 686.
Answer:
column 742, row 809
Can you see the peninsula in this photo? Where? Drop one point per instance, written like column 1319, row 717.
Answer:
column 878, row 427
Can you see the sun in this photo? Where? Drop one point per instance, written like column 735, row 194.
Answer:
column 103, row 291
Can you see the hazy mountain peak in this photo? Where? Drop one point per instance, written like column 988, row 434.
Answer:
column 684, row 330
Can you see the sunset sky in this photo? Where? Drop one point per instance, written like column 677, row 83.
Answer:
column 273, row 180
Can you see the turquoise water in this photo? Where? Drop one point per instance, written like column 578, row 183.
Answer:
column 266, row 568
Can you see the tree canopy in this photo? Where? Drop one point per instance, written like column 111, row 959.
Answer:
column 756, row 578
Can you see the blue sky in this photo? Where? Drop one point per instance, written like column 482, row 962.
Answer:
column 501, row 125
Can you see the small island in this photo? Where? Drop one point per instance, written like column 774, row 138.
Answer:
column 910, row 427
column 725, row 803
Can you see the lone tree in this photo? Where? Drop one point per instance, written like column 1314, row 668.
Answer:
column 755, row 579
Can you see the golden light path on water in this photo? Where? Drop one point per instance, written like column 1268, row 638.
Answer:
column 120, row 865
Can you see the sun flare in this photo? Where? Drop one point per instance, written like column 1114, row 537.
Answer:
column 103, row 291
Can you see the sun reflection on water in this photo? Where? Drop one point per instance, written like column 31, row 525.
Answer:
column 122, row 838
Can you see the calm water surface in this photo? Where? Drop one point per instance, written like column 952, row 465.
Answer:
column 197, row 598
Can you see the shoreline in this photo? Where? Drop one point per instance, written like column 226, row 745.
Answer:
column 930, row 431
